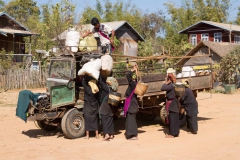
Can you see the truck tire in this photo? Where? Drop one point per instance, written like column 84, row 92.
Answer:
column 182, row 117
column 145, row 116
column 73, row 124
column 44, row 126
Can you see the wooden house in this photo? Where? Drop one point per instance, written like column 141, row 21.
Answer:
column 213, row 52
column 124, row 32
column 213, row 32
column 11, row 36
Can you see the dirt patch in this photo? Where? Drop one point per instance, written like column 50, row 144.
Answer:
column 218, row 136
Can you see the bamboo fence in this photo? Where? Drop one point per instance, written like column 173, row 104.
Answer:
column 22, row 79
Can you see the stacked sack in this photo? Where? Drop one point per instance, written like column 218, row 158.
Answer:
column 72, row 40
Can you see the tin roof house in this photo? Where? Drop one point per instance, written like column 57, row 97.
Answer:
column 11, row 36
column 212, row 31
column 124, row 32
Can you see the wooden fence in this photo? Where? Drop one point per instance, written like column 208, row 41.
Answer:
column 22, row 79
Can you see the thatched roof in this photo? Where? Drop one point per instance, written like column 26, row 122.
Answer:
column 220, row 48
column 225, row 26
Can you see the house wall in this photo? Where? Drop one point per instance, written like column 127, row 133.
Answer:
column 202, row 60
column 205, row 28
column 129, row 40
column 13, row 44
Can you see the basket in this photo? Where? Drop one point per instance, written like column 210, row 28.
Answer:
column 141, row 87
column 114, row 98
column 179, row 89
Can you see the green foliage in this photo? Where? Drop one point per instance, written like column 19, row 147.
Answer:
column 229, row 66
column 237, row 21
column 5, row 61
column 2, row 5
column 25, row 11
column 191, row 12
column 56, row 19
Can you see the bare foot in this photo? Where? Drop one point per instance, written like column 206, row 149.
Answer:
column 133, row 138
column 97, row 136
column 86, row 137
column 169, row 136
column 112, row 136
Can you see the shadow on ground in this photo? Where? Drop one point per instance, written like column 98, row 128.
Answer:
column 38, row 133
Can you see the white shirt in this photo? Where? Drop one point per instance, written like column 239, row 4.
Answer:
column 105, row 30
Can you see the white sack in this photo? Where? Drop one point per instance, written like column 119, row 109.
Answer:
column 187, row 71
column 91, row 68
column 107, row 62
column 179, row 75
column 72, row 39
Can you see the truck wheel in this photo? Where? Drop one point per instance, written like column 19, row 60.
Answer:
column 182, row 117
column 73, row 124
column 44, row 126
column 145, row 116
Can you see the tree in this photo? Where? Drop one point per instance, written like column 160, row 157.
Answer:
column 25, row 11
column 237, row 21
column 190, row 12
column 2, row 5
column 55, row 20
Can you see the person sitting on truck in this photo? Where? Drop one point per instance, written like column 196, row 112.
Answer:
column 103, row 31
column 90, row 109
column 172, row 106
column 131, row 109
column 189, row 103
column 105, row 110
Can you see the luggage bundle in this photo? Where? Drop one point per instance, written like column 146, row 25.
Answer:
column 93, row 65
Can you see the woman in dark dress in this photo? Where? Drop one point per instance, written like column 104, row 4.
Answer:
column 131, row 111
column 172, row 106
column 189, row 103
column 90, row 109
column 106, row 110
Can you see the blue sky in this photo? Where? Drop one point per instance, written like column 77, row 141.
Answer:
column 144, row 5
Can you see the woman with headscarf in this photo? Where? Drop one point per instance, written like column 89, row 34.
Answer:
column 172, row 106
column 189, row 103
column 131, row 105
column 106, row 110
column 90, row 109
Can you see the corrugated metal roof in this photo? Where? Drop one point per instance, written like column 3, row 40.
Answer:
column 216, row 24
column 220, row 48
column 114, row 25
column 15, row 32
column 3, row 13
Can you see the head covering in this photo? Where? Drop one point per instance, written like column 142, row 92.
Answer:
column 185, row 82
column 170, row 70
column 113, row 83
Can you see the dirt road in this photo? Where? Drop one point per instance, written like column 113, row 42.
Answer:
column 218, row 136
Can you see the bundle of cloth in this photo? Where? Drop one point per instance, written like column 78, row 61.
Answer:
column 24, row 98
column 93, row 67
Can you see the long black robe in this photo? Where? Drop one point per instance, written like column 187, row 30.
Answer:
column 173, row 115
column 189, row 102
column 90, row 109
column 105, row 109
column 131, row 123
